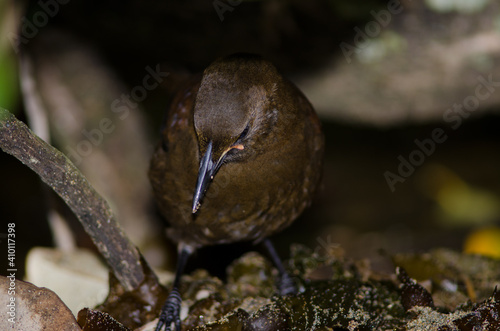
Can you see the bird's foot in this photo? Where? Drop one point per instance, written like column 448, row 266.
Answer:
column 170, row 313
column 286, row 285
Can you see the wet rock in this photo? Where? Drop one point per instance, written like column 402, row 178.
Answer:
column 413, row 294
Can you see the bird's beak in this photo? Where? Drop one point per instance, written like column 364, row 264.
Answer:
column 207, row 171
column 205, row 175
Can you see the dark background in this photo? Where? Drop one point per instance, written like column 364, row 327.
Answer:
column 355, row 206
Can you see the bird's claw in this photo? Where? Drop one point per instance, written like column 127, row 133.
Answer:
column 170, row 313
column 286, row 285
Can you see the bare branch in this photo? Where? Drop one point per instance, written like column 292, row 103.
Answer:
column 57, row 171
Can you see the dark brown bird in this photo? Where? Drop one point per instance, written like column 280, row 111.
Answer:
column 240, row 159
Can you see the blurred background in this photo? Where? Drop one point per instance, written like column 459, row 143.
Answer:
column 408, row 93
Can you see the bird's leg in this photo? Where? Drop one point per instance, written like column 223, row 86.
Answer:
column 286, row 285
column 170, row 313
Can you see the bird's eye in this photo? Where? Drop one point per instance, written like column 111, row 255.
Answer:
column 238, row 145
column 244, row 133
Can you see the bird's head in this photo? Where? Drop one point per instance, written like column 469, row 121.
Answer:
column 233, row 112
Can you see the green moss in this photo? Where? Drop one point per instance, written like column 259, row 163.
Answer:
column 334, row 294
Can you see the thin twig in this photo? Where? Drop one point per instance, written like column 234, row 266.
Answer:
column 37, row 117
